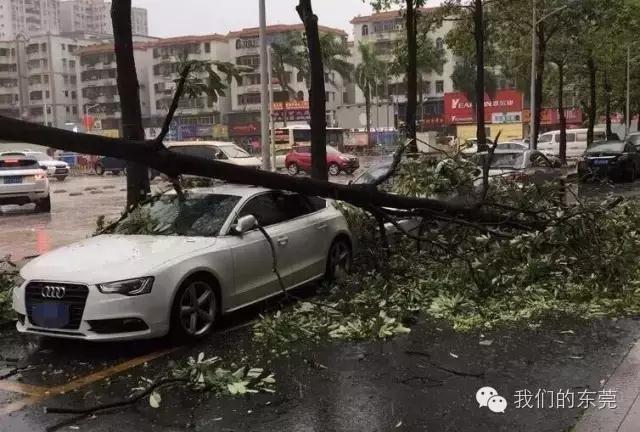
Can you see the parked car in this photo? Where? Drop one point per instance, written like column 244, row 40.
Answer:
column 281, row 156
column 528, row 166
column 299, row 159
column 116, row 166
column 23, row 181
column 110, row 164
column 512, row 145
column 549, row 142
column 217, row 150
column 53, row 168
column 202, row 258
column 470, row 145
column 634, row 138
column 616, row 160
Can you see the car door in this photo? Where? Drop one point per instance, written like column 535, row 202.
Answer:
column 304, row 157
column 251, row 253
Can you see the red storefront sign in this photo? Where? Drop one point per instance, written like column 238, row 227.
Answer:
column 458, row 109
column 245, row 129
column 550, row 116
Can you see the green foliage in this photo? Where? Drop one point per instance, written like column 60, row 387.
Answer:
column 211, row 78
column 8, row 280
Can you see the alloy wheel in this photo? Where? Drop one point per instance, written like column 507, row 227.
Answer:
column 339, row 260
column 197, row 308
column 293, row 169
column 334, row 169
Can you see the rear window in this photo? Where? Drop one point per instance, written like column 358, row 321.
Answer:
column 302, row 149
column 203, row 151
column 609, row 147
column 11, row 163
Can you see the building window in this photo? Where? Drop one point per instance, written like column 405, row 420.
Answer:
column 427, row 87
column 300, row 76
column 207, row 47
column 300, row 96
column 439, row 87
column 365, row 30
column 66, row 93
column 238, row 43
column 46, row 94
column 440, row 43
column 73, row 95
column 74, row 109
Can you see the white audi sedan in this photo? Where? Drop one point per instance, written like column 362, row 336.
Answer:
column 175, row 266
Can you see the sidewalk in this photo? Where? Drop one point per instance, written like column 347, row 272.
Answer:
column 626, row 417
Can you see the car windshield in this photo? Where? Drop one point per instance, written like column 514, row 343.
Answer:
column 503, row 160
column 234, row 152
column 17, row 162
column 609, row 147
column 332, row 150
column 199, row 215
column 40, row 156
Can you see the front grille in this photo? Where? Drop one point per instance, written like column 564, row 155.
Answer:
column 62, row 170
column 75, row 296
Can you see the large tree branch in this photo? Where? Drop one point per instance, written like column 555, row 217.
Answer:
column 173, row 164
column 174, row 104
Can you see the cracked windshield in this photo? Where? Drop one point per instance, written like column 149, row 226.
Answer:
column 320, row 215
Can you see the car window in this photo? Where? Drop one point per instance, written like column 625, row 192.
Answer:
column 281, row 152
column 199, row 215
column 538, row 160
column 545, row 138
column 599, row 136
column 234, row 151
column 304, row 150
column 634, row 139
column 276, row 207
column 581, row 136
column 17, row 162
column 571, row 137
column 502, row 160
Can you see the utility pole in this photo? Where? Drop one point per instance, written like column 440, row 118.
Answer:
column 264, row 94
column 627, row 122
column 273, row 120
column 532, row 121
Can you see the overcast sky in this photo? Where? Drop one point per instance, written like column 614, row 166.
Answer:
column 186, row 17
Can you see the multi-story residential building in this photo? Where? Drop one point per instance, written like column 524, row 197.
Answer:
column 195, row 117
column 28, row 17
column 95, row 16
column 96, row 76
column 381, row 31
column 38, row 79
column 244, row 118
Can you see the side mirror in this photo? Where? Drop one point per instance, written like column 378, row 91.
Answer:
column 245, row 223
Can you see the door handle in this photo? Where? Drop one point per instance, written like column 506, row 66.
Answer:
column 282, row 241
column 321, row 227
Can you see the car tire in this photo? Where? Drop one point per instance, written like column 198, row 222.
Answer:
column 293, row 168
column 633, row 174
column 115, row 172
column 99, row 170
column 334, row 169
column 339, row 259
column 187, row 302
column 44, row 205
column 61, row 178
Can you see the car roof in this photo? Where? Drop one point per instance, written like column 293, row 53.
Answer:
column 199, row 143
column 229, row 189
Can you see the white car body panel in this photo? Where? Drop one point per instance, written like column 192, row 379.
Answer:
column 241, row 264
column 30, row 189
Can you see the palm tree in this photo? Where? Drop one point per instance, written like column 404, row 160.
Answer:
column 284, row 53
column 367, row 76
column 335, row 55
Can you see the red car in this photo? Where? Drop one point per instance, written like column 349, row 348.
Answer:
column 299, row 159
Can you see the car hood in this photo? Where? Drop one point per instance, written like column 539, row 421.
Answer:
column 250, row 161
column 109, row 258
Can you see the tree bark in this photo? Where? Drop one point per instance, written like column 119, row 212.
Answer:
column 607, row 103
column 592, row 112
column 129, row 89
column 478, row 31
column 367, row 108
column 412, row 75
column 317, row 96
column 540, row 65
column 563, row 117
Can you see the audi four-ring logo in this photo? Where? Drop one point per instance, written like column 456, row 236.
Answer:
column 49, row 291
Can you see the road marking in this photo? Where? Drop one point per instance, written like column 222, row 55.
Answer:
column 18, row 405
column 27, row 389
column 39, row 394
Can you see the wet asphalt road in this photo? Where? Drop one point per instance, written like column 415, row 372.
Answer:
column 366, row 387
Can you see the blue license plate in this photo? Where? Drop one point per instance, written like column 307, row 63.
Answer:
column 600, row 162
column 13, row 180
column 50, row 315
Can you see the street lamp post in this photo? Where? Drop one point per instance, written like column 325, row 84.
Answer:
column 264, row 94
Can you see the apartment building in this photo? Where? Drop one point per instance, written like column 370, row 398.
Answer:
column 195, row 117
column 38, row 79
column 96, row 72
column 381, row 31
column 27, row 18
column 244, row 118
column 95, row 16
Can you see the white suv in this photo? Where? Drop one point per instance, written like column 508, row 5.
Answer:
column 54, row 168
column 22, row 181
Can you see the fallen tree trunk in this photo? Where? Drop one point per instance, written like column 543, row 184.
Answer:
column 154, row 154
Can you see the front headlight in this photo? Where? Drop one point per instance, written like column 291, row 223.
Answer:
column 130, row 287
